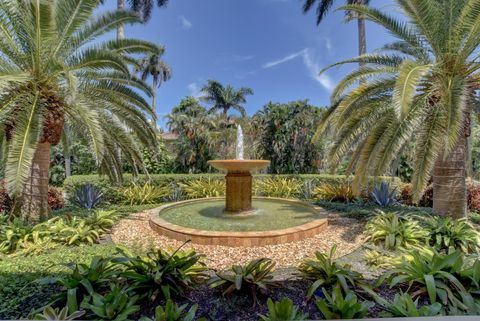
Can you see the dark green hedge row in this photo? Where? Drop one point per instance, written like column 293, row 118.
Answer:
column 72, row 182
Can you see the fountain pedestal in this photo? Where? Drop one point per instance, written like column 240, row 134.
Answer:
column 238, row 197
column 238, row 192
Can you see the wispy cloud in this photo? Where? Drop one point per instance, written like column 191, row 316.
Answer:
column 186, row 24
column 328, row 45
column 283, row 60
column 194, row 90
column 310, row 62
column 314, row 69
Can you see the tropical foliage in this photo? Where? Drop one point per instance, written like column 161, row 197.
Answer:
column 418, row 88
column 285, row 134
column 54, row 76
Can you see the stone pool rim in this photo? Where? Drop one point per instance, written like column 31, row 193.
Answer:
column 235, row 238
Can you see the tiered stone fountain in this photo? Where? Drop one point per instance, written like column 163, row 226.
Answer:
column 237, row 219
column 238, row 192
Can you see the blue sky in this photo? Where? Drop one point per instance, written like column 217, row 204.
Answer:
column 268, row 45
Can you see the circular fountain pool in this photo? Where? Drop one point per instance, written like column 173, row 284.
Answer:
column 272, row 221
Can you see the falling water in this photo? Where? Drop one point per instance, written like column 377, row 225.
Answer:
column 239, row 148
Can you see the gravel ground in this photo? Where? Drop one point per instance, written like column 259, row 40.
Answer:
column 346, row 233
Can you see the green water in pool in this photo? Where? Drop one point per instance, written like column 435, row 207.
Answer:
column 268, row 215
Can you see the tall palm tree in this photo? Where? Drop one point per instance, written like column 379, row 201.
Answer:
column 54, row 72
column 222, row 99
column 143, row 7
column 420, row 88
column 225, row 98
column 160, row 72
column 323, row 6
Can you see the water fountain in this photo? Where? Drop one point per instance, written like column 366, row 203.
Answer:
column 238, row 198
column 237, row 219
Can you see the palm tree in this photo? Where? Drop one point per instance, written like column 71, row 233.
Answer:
column 323, row 6
column 419, row 88
column 159, row 71
column 143, row 7
column 52, row 75
column 225, row 98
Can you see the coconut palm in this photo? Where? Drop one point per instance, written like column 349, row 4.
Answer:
column 160, row 72
column 224, row 98
column 323, row 6
column 53, row 74
column 419, row 88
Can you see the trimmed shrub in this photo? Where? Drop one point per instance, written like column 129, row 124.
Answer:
column 180, row 180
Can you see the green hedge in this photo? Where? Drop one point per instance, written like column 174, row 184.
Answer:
column 72, row 182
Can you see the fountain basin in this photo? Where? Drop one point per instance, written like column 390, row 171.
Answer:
column 274, row 221
column 239, row 165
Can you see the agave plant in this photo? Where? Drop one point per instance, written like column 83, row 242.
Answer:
column 383, row 195
column 87, row 196
column 403, row 306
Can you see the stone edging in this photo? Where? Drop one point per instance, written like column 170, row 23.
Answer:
column 236, row 239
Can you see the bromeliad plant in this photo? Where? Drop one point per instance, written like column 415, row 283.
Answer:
column 49, row 313
column 394, row 230
column 117, row 304
column 204, row 187
column 161, row 273
column 278, row 187
column 325, row 272
column 173, row 312
column 338, row 306
column 144, row 194
column 445, row 232
column 335, row 192
column 403, row 306
column 283, row 310
column 251, row 278
column 431, row 273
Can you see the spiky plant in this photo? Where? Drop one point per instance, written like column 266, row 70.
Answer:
column 51, row 75
column 418, row 88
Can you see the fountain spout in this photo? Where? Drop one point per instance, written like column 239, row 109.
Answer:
column 239, row 147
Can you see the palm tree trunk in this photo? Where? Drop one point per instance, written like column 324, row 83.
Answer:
column 32, row 205
column 449, row 186
column 154, row 103
column 121, row 28
column 362, row 37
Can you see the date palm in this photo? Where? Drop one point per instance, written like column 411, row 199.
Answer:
column 420, row 89
column 153, row 66
column 55, row 73
column 322, row 8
